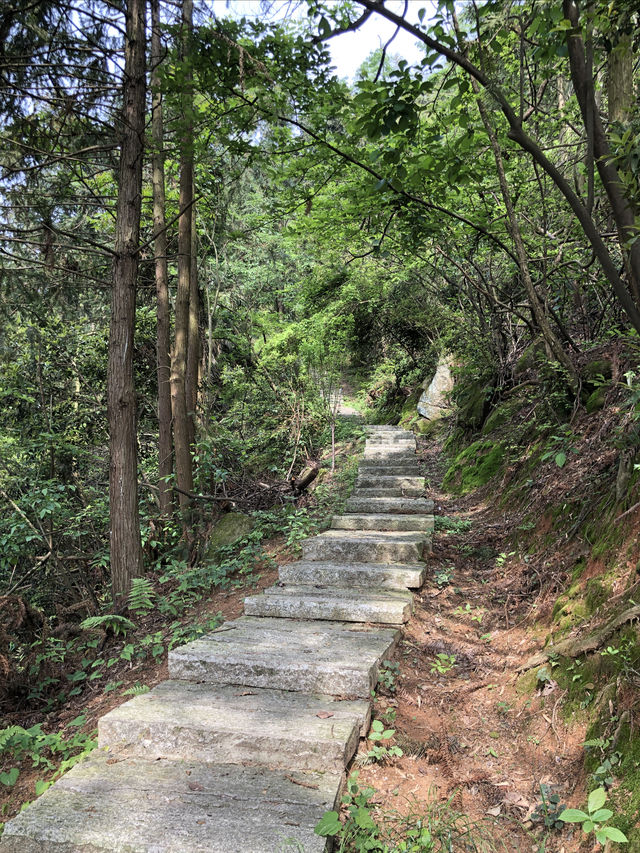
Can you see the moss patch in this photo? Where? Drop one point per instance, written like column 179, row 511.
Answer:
column 501, row 415
column 474, row 467
column 230, row 528
column 596, row 400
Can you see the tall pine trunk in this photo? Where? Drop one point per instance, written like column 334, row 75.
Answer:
column 181, row 430
column 163, row 342
column 126, row 547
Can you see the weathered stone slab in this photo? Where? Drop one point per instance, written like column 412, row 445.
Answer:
column 374, row 480
column 387, row 492
column 360, row 546
column 370, row 468
column 138, row 806
column 284, row 654
column 412, row 506
column 401, row 457
column 380, row 521
column 386, row 607
column 352, row 575
column 232, row 725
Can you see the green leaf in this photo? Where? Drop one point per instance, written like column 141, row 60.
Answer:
column 573, row 816
column 421, row 14
column 363, row 819
column 596, row 800
column 329, row 824
column 10, row 777
column 560, row 459
column 614, row 834
column 41, row 786
column 601, row 815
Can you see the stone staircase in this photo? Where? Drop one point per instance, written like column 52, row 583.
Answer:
column 245, row 746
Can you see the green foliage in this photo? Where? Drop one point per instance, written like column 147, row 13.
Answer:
column 433, row 827
column 595, row 819
column 443, row 663
column 388, row 676
column 548, row 811
column 108, row 622
column 379, row 736
column 142, row 596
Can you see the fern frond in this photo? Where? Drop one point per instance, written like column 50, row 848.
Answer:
column 108, row 622
column 142, row 595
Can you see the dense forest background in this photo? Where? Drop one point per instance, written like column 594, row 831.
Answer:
column 206, row 234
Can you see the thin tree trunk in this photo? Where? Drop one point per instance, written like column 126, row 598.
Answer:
column 623, row 212
column 183, row 461
column 542, row 321
column 518, row 134
column 620, row 80
column 126, row 546
column 163, row 342
column 193, row 349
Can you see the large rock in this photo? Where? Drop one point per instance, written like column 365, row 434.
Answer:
column 231, row 527
column 434, row 402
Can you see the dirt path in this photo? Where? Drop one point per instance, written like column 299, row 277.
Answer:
column 474, row 732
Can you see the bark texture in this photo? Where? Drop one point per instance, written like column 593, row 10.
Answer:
column 126, row 547
column 163, row 340
column 181, row 431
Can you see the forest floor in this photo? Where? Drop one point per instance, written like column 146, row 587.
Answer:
column 476, row 733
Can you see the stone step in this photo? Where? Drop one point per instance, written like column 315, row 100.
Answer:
column 284, row 654
column 388, row 439
column 411, row 506
column 370, row 468
column 351, row 575
column 383, row 480
column 388, row 492
column 366, row 546
column 373, row 521
column 236, row 725
column 136, row 806
column 393, row 456
column 384, row 607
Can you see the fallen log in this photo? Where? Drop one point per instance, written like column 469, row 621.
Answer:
column 308, row 475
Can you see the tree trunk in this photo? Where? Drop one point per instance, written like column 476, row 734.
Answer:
column 163, row 343
column 193, row 349
column 181, row 432
column 623, row 212
column 126, row 547
column 537, row 309
column 620, row 80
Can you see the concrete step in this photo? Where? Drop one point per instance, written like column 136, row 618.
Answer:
column 410, row 506
column 380, row 521
column 366, row 546
column 284, row 654
column 387, row 492
column 351, row 575
column 384, row 607
column 382, row 480
column 104, row 805
column 236, row 725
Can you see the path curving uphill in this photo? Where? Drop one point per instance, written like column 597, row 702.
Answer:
column 245, row 746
